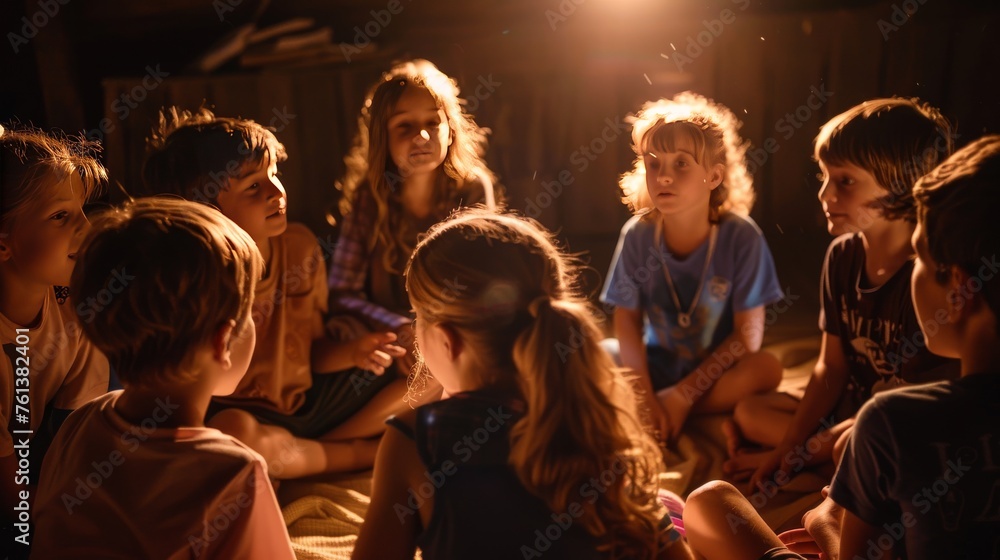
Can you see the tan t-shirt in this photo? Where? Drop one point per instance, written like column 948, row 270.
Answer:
column 288, row 315
column 113, row 489
column 63, row 368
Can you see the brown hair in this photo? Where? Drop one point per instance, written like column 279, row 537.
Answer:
column 896, row 140
column 369, row 161
column 32, row 161
column 195, row 154
column 174, row 272
column 503, row 285
column 956, row 203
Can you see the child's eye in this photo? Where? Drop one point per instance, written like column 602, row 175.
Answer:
column 59, row 216
column 253, row 187
column 682, row 163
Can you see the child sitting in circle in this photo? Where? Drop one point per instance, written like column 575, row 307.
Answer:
column 692, row 272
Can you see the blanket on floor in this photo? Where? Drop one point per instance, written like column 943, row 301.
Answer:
column 324, row 515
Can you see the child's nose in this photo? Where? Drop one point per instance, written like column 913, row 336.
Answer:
column 663, row 174
column 825, row 193
column 275, row 189
column 424, row 136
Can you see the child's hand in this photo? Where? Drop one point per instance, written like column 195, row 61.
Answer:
column 774, row 462
column 375, row 351
column 820, row 534
column 677, row 408
column 658, row 418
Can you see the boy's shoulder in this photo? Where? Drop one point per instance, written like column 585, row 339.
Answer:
column 920, row 401
column 298, row 234
column 299, row 242
column 845, row 244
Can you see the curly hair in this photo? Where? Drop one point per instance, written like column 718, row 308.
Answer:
column 32, row 161
column 520, row 312
column 369, row 162
column 714, row 130
column 195, row 154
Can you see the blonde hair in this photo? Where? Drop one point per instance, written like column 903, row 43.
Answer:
column 714, row 130
column 502, row 284
column 183, row 270
column 897, row 140
column 32, row 161
column 369, row 161
column 194, row 154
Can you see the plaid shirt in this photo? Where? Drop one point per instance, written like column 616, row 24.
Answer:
column 354, row 255
column 352, row 258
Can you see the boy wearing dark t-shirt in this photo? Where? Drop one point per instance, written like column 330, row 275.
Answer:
column 870, row 156
column 920, row 478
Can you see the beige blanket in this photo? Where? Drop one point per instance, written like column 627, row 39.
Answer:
column 324, row 516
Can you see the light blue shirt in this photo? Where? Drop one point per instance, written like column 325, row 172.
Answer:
column 740, row 276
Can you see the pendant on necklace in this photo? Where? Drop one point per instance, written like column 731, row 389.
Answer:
column 684, row 319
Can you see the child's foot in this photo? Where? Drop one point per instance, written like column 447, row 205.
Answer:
column 734, row 438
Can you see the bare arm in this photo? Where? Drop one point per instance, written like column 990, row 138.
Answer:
column 373, row 352
column 826, row 385
column 855, row 537
column 746, row 338
column 391, row 526
column 628, row 330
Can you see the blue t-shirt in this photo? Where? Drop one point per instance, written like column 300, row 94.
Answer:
column 741, row 276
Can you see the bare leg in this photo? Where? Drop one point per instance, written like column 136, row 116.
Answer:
column 764, row 419
column 754, row 373
column 721, row 524
column 288, row 456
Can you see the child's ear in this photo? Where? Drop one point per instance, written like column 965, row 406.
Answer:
column 5, row 252
column 961, row 300
column 717, row 175
column 221, row 341
column 453, row 343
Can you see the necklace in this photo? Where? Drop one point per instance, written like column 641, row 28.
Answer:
column 684, row 318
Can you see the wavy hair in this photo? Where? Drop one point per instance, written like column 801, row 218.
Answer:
column 504, row 286
column 713, row 128
column 369, row 162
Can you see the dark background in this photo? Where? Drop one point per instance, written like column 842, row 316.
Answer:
column 548, row 77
